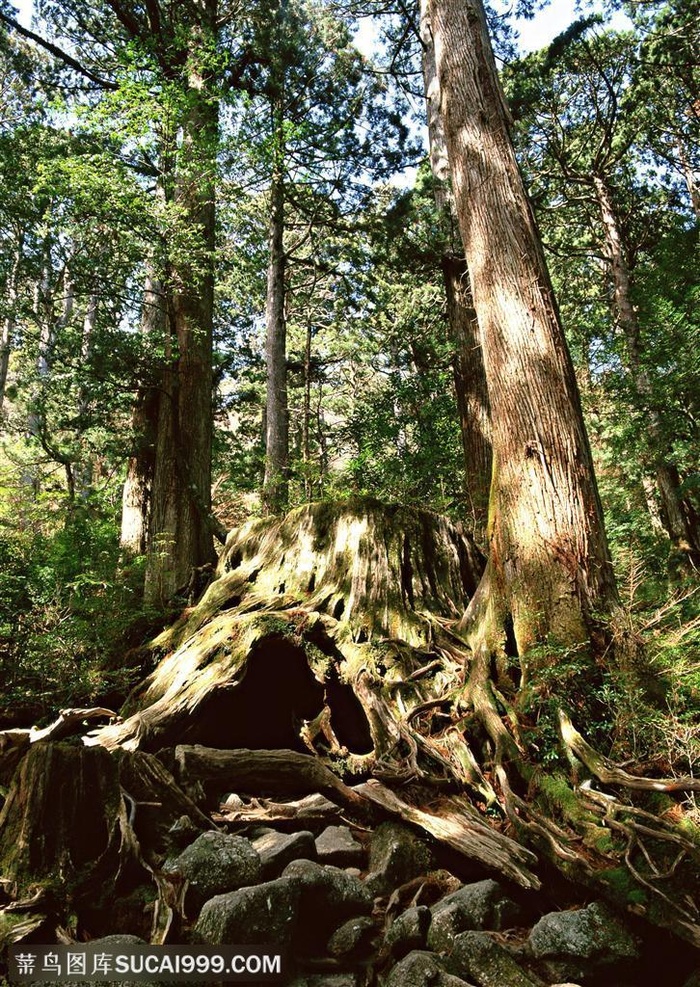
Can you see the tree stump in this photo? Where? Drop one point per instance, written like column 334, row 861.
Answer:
column 62, row 825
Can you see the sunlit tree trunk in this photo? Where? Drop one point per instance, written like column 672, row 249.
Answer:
column 181, row 549
column 549, row 569
column 306, row 416
column 275, row 483
column 469, row 377
column 677, row 514
column 136, row 495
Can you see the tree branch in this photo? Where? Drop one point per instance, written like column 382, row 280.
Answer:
column 57, row 53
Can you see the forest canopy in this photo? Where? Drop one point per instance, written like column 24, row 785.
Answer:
column 216, row 301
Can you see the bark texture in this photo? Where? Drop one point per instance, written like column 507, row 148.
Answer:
column 136, row 494
column 471, row 389
column 549, row 567
column 275, row 483
column 180, row 526
column 329, row 603
column 471, row 392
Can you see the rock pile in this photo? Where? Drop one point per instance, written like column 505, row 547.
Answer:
column 353, row 908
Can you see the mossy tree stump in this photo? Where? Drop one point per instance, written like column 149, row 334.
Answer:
column 335, row 632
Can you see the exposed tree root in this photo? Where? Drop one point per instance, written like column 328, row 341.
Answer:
column 328, row 651
column 610, row 774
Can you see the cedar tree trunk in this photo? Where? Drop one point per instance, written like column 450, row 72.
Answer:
column 136, row 495
column 470, row 379
column 180, row 530
column 275, row 483
column 678, row 516
column 549, row 569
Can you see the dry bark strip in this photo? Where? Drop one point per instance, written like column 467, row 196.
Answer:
column 15, row 743
column 312, row 812
column 458, row 825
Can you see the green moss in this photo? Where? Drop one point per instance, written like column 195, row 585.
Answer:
column 690, row 829
column 560, row 798
column 623, row 885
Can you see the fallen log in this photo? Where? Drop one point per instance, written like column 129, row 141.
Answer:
column 455, row 823
column 279, row 772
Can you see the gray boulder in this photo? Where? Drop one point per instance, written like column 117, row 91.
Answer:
column 586, row 944
column 214, row 864
column 475, row 907
column 336, row 845
column 354, row 940
column 420, row 969
column 478, row 956
column 397, row 855
column 276, row 850
column 266, row 914
column 327, row 898
column 408, row 932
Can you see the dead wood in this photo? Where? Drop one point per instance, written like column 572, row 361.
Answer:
column 609, row 773
column 457, row 824
column 313, row 812
column 69, row 721
column 156, row 802
column 15, row 743
column 329, row 642
column 266, row 772
column 64, row 827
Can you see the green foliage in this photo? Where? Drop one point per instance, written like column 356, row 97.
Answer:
column 66, row 610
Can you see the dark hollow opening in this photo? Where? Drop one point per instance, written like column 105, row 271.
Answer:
column 264, row 711
column 348, row 717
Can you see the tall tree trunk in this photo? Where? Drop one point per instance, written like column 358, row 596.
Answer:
column 677, row 513
column 136, row 495
column 689, row 175
column 549, row 569
column 181, row 549
column 306, row 417
column 471, row 392
column 83, row 470
column 469, row 376
column 10, row 321
column 275, row 483
column 50, row 328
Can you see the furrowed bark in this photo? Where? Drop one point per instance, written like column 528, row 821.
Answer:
column 549, row 568
column 275, row 483
column 136, row 495
column 181, row 523
column 471, row 390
